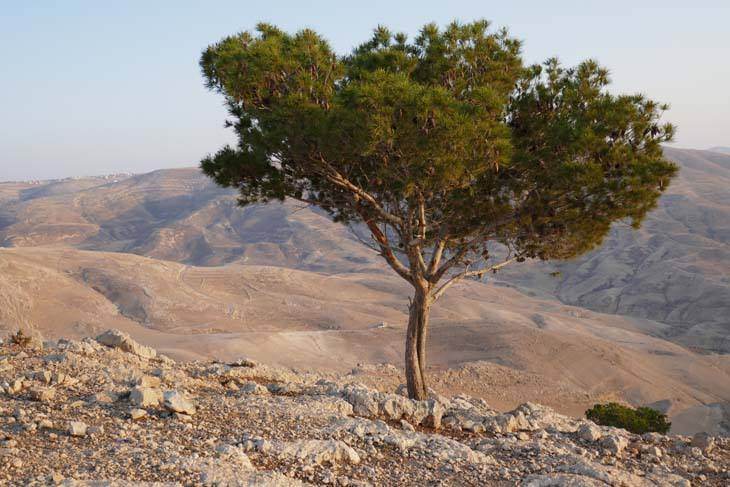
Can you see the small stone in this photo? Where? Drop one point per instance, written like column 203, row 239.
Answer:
column 45, row 424
column 406, row 425
column 58, row 378
column 43, row 376
column 252, row 387
column 704, row 442
column 145, row 397
column 148, row 381
column 104, row 397
column 137, row 413
column 589, row 432
column 242, row 362
column 76, row 428
column 177, row 402
column 655, row 451
column 15, row 387
column 614, row 444
column 42, row 394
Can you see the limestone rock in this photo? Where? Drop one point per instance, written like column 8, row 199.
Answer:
column 318, row 451
column 252, row 387
column 615, row 444
column 177, row 402
column 589, row 432
column 119, row 339
column 704, row 442
column 76, row 428
column 145, row 397
column 137, row 413
column 42, row 394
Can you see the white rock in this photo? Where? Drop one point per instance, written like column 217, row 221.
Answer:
column 703, row 441
column 76, row 428
column 254, row 388
column 318, row 451
column 119, row 339
column 145, row 397
column 178, row 403
column 614, row 444
column 137, row 413
column 589, row 432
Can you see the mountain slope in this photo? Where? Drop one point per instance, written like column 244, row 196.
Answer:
column 178, row 215
column 571, row 357
column 674, row 270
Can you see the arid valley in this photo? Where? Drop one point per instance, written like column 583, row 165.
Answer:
column 169, row 258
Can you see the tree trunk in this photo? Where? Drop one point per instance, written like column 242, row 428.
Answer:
column 416, row 345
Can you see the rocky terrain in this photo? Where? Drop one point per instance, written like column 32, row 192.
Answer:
column 113, row 412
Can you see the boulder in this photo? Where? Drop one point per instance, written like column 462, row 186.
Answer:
column 318, row 451
column 119, row 339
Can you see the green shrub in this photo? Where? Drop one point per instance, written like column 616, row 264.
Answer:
column 639, row 421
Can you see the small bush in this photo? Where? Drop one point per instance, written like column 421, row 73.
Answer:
column 639, row 421
column 20, row 338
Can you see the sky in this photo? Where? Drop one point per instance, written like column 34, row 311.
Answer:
column 90, row 88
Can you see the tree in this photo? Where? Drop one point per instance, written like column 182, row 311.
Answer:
column 445, row 148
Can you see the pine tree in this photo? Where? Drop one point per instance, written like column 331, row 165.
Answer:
column 445, row 148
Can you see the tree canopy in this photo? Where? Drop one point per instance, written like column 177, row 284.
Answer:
column 443, row 145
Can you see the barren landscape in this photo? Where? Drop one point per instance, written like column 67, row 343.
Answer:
column 171, row 259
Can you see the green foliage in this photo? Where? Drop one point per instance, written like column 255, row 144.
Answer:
column 447, row 140
column 639, row 421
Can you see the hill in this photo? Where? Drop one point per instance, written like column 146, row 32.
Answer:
column 672, row 271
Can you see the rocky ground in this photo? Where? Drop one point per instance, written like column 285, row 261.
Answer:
column 112, row 412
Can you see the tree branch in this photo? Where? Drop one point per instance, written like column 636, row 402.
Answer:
column 467, row 273
column 438, row 252
column 334, row 176
column 385, row 250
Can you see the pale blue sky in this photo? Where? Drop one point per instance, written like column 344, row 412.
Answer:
column 92, row 87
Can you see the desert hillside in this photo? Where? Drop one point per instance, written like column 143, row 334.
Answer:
column 673, row 271
column 170, row 258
